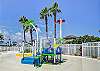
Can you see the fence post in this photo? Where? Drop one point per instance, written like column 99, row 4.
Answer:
column 90, row 52
column 98, row 52
column 82, row 49
column 74, row 49
column 68, row 49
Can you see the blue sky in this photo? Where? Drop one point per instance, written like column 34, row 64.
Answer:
column 82, row 16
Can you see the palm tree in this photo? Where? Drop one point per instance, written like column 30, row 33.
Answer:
column 30, row 27
column 23, row 20
column 44, row 15
column 1, row 36
column 54, row 10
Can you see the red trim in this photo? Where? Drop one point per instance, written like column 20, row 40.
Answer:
column 55, row 21
column 60, row 21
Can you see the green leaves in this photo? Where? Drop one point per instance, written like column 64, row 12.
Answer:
column 84, row 39
column 27, row 23
column 44, row 12
column 48, row 12
column 55, row 8
column 22, row 20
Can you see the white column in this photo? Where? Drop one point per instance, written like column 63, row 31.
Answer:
column 37, row 39
column 61, row 34
column 74, row 49
column 35, row 49
column 98, row 51
column 60, row 30
column 68, row 49
column 41, row 46
column 90, row 52
column 54, row 50
column 82, row 49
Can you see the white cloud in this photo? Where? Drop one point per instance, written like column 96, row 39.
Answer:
column 4, row 31
column 19, row 36
column 18, row 33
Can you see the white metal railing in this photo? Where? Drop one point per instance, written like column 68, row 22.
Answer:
column 91, row 49
column 8, row 48
column 72, row 49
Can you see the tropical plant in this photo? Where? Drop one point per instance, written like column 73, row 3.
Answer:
column 44, row 15
column 54, row 10
column 30, row 28
column 83, row 39
column 23, row 20
column 27, row 27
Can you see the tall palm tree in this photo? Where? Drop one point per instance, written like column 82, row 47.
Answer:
column 44, row 15
column 23, row 20
column 54, row 10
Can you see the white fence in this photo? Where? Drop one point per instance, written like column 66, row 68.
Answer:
column 8, row 48
column 72, row 49
column 91, row 49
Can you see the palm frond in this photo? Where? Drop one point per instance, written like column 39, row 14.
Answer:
column 54, row 8
column 44, row 12
column 58, row 10
column 22, row 20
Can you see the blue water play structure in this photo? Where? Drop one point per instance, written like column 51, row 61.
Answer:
column 47, row 56
column 51, row 54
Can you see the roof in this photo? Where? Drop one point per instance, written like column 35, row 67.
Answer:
column 70, row 37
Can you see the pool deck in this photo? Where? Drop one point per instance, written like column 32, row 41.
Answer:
column 8, row 62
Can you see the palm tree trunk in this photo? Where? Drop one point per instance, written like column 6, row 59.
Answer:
column 24, row 40
column 24, row 35
column 31, row 36
column 46, row 23
column 55, row 25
